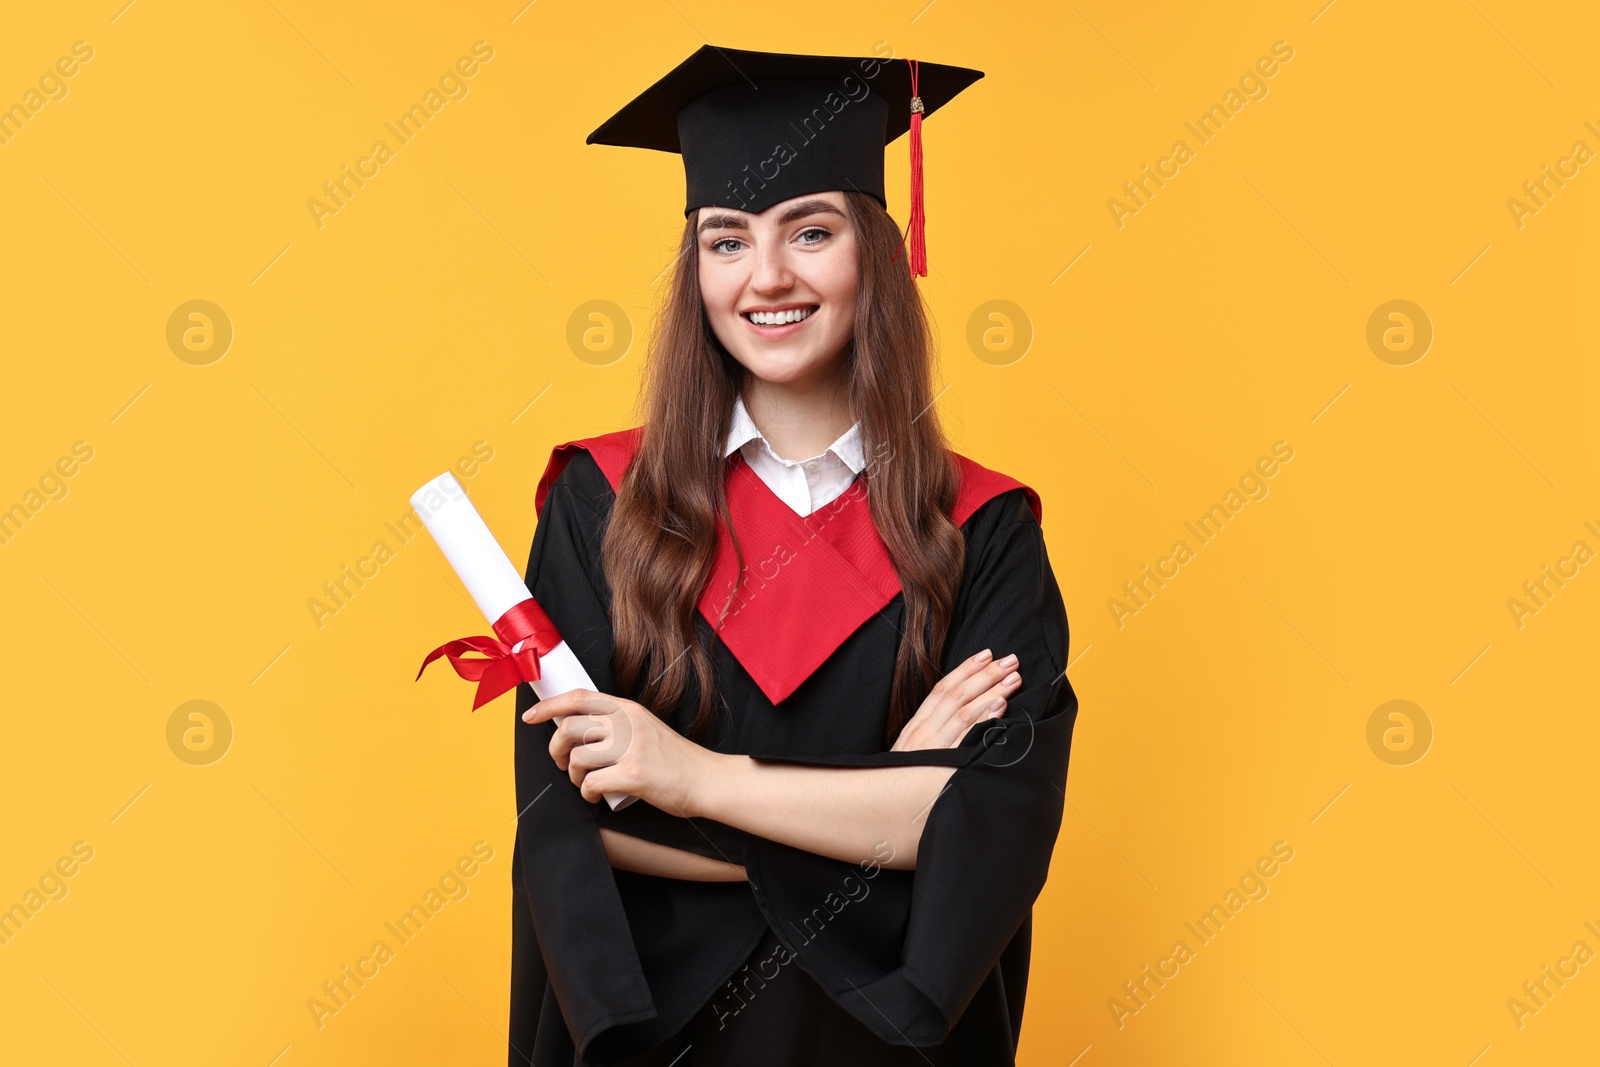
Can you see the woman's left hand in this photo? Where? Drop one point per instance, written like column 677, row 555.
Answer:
column 608, row 744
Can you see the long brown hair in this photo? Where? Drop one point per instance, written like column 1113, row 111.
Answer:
column 661, row 541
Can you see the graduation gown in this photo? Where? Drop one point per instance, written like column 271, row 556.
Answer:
column 811, row 959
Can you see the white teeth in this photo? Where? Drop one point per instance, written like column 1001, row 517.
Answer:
column 778, row 318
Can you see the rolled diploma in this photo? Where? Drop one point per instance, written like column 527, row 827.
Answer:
column 493, row 583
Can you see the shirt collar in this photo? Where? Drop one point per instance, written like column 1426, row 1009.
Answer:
column 847, row 446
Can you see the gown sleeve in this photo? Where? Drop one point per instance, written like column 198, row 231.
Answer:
column 985, row 848
column 564, row 879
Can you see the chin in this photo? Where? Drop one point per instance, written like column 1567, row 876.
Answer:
column 775, row 365
column 780, row 361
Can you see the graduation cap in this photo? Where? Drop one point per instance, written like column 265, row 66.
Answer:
column 757, row 128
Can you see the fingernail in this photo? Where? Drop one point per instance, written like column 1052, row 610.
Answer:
column 1011, row 679
column 1009, row 661
column 983, row 657
column 996, row 704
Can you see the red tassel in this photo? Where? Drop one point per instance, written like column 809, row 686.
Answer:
column 918, row 224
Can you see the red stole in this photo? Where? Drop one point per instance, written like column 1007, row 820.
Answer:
column 810, row 582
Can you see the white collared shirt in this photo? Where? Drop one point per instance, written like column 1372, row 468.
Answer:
column 806, row 484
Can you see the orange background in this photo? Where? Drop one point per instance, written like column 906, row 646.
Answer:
column 1140, row 368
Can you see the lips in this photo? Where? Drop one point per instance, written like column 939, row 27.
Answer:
column 781, row 317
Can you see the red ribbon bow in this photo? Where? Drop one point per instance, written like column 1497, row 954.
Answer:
column 503, row 669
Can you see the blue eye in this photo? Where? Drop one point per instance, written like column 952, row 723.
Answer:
column 716, row 246
column 822, row 235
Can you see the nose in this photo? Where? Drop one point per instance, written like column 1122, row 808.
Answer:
column 771, row 272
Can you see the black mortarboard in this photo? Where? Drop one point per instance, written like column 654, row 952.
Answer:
column 757, row 128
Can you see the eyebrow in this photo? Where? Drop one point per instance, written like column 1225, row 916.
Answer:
column 798, row 211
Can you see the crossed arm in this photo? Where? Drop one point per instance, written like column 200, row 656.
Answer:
column 845, row 813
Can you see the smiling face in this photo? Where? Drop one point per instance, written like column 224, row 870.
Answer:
column 779, row 287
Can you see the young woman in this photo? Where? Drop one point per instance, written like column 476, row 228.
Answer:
column 829, row 652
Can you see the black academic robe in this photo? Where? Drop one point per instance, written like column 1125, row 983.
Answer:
column 812, row 960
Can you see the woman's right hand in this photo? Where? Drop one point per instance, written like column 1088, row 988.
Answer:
column 974, row 691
